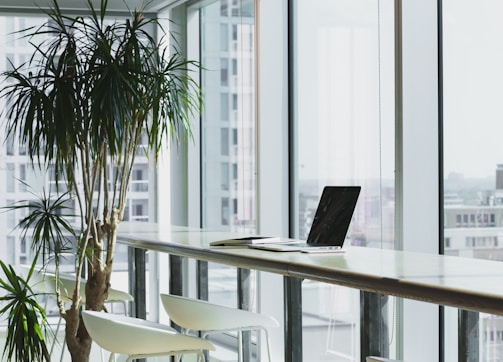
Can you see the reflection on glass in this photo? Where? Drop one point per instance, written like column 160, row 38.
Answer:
column 228, row 124
column 15, row 49
column 473, row 157
column 343, row 69
column 228, row 130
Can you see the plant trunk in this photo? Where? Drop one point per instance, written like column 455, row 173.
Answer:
column 77, row 338
column 79, row 343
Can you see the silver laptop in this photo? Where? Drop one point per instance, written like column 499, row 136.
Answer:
column 330, row 225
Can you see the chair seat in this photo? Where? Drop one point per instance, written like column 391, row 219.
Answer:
column 200, row 315
column 134, row 336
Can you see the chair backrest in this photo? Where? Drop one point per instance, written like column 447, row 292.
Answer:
column 201, row 315
column 45, row 282
column 38, row 281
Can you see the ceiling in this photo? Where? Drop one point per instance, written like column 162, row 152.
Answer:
column 79, row 5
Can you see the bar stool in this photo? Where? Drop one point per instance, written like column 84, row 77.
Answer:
column 45, row 283
column 139, row 338
column 67, row 283
column 208, row 318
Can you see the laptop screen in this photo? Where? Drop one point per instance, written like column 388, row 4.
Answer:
column 333, row 215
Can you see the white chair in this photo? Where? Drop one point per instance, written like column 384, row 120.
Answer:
column 66, row 286
column 45, row 282
column 139, row 338
column 208, row 318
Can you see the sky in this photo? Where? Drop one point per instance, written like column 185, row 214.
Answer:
column 473, row 87
column 472, row 70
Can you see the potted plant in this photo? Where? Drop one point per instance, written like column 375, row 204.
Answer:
column 26, row 318
column 92, row 92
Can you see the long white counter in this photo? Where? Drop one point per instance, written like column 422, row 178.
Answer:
column 470, row 284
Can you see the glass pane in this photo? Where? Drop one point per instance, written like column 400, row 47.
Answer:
column 15, row 164
column 10, row 180
column 229, row 109
column 228, row 134
column 473, row 158
column 344, row 120
column 228, row 129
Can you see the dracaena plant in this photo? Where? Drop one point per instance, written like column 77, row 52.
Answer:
column 92, row 91
column 26, row 318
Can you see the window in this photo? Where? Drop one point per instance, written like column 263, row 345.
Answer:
column 233, row 118
column 224, row 73
column 10, row 146
column 139, row 180
column 224, row 37
column 235, row 171
column 10, row 177
column 10, row 216
column 234, row 137
column 224, row 142
column 224, row 8
column 11, row 249
column 235, row 103
column 228, row 198
column 61, row 186
column 15, row 164
column 224, row 106
column 225, row 211
column 234, row 28
column 341, row 120
column 234, row 67
column 22, row 177
column 472, row 76
column 126, row 212
column 225, row 176
column 138, row 210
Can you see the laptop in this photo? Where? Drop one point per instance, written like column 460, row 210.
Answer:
column 330, row 225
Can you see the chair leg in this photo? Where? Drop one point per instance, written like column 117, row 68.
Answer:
column 55, row 339
column 240, row 346
column 268, row 344
column 201, row 357
column 206, row 354
column 63, row 345
column 125, row 305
